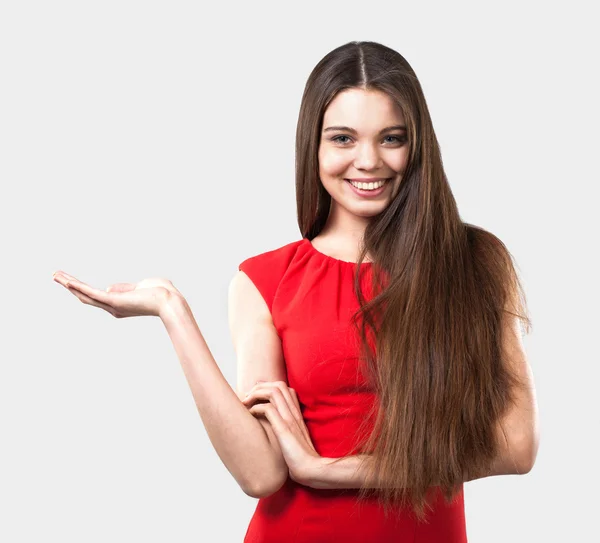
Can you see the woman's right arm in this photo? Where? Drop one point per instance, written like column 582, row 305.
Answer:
column 240, row 439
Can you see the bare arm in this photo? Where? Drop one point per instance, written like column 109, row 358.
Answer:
column 259, row 357
column 351, row 472
column 237, row 436
column 517, row 433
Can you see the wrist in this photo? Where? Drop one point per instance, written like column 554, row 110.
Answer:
column 172, row 306
column 315, row 472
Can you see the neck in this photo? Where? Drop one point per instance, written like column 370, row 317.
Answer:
column 343, row 232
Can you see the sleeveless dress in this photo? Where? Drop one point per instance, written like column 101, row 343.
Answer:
column 311, row 298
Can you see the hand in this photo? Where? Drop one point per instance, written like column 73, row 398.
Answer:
column 147, row 297
column 282, row 410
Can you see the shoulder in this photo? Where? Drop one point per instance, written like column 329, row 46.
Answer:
column 266, row 269
column 489, row 252
column 482, row 240
column 497, row 270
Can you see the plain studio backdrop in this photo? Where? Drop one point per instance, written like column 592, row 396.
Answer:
column 143, row 139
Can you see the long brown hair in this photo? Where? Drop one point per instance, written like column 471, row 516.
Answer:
column 438, row 370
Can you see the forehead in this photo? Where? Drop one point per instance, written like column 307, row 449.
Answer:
column 361, row 108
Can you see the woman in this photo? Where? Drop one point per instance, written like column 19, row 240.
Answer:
column 381, row 353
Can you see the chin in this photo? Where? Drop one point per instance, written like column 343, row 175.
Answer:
column 366, row 211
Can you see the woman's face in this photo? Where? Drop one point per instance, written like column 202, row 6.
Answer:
column 358, row 142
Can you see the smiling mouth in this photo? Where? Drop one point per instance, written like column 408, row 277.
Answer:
column 367, row 186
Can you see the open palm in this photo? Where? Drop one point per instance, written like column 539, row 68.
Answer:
column 121, row 300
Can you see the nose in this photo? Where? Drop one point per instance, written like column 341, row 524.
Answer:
column 367, row 157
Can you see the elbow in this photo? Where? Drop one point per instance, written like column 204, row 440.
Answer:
column 251, row 492
column 526, row 450
column 267, row 486
column 256, row 491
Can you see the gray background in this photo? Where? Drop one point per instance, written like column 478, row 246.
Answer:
column 144, row 139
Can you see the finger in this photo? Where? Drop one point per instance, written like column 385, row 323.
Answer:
column 281, row 385
column 266, row 390
column 272, row 415
column 65, row 275
column 90, row 301
column 75, row 287
column 295, row 398
column 292, row 406
column 95, row 294
column 288, row 393
column 272, row 394
column 260, row 390
column 302, row 424
column 60, row 279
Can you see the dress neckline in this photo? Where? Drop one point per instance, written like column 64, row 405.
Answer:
column 331, row 258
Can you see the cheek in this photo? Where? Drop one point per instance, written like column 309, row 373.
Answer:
column 332, row 163
column 398, row 161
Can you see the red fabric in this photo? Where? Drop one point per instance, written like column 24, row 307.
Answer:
column 311, row 298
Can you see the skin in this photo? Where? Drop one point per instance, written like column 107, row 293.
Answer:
column 342, row 154
column 235, row 433
column 368, row 154
column 278, row 403
column 364, row 154
column 146, row 298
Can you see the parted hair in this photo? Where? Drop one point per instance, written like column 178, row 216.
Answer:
column 432, row 331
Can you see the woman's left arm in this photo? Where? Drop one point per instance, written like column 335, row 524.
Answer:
column 517, row 433
column 352, row 471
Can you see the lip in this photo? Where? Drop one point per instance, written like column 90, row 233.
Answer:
column 369, row 194
column 367, row 179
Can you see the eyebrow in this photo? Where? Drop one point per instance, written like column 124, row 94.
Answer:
column 348, row 129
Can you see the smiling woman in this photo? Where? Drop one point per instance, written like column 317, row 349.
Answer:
column 403, row 373
column 380, row 363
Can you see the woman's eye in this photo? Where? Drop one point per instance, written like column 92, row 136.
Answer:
column 337, row 139
column 398, row 139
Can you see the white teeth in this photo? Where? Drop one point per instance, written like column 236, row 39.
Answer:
column 368, row 186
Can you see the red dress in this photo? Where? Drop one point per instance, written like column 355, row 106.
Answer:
column 311, row 298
